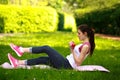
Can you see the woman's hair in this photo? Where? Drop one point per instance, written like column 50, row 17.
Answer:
column 85, row 28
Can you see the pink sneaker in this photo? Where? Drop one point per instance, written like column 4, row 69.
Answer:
column 17, row 49
column 12, row 60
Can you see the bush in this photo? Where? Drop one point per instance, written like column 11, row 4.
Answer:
column 105, row 20
column 3, row 1
column 27, row 19
column 70, row 22
column 67, row 22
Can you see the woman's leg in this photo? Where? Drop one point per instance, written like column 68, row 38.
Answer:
column 16, row 63
column 56, row 60
column 36, row 61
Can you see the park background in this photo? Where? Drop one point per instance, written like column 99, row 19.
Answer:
column 54, row 22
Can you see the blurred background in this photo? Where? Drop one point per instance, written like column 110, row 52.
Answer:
column 29, row 16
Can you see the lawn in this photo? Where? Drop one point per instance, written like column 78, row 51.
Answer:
column 107, row 54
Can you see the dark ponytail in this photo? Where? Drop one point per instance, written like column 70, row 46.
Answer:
column 84, row 28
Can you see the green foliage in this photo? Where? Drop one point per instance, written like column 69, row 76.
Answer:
column 53, row 3
column 61, row 22
column 102, row 15
column 3, row 1
column 57, row 4
column 67, row 22
column 98, row 4
column 105, row 20
column 1, row 25
column 27, row 19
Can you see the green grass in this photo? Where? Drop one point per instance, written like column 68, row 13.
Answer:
column 106, row 54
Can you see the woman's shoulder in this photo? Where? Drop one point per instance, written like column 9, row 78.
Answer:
column 84, row 45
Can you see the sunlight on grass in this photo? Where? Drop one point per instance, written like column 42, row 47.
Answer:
column 102, row 44
column 106, row 54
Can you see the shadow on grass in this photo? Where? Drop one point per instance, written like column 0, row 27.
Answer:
column 99, row 56
column 4, row 50
column 107, row 58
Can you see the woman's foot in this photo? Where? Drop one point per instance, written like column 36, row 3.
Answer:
column 13, row 61
column 17, row 49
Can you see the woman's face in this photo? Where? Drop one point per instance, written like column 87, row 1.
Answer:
column 81, row 35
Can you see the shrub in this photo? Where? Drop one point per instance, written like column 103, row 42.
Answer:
column 67, row 22
column 105, row 20
column 27, row 19
column 70, row 22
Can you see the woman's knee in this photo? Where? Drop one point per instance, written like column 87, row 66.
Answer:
column 46, row 47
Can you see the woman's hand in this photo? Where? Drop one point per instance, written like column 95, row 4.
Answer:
column 72, row 45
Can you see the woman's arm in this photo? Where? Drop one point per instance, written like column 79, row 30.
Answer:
column 79, row 59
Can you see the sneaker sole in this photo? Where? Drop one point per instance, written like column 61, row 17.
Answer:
column 15, row 51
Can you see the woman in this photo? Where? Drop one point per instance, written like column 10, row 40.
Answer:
column 54, row 59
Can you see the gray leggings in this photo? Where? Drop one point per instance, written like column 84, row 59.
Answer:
column 54, row 59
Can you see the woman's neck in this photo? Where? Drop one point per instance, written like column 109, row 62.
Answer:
column 86, row 40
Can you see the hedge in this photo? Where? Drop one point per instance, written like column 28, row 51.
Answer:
column 106, row 20
column 26, row 19
column 70, row 22
column 66, row 22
